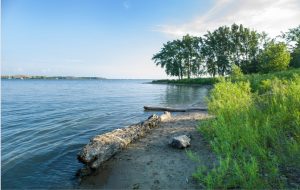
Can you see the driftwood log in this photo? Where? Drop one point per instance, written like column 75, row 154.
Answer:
column 103, row 147
column 149, row 108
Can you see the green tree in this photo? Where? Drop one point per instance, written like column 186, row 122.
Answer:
column 275, row 57
column 231, row 45
column 191, row 54
column 295, row 56
column 292, row 38
column 180, row 57
column 170, row 58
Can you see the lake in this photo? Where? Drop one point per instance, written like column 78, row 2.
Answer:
column 45, row 123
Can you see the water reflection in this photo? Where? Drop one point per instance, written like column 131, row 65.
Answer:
column 184, row 96
column 45, row 123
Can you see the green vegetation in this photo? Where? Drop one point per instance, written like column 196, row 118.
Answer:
column 275, row 57
column 256, row 132
column 197, row 81
column 293, row 39
column 216, row 52
column 180, row 57
column 255, row 79
column 256, row 101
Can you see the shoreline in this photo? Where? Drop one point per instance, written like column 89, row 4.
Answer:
column 183, row 84
column 150, row 163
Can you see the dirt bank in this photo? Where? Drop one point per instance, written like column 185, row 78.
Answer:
column 150, row 163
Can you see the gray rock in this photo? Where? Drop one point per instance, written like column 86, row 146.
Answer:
column 181, row 141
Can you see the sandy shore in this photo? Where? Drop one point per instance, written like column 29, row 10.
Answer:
column 150, row 163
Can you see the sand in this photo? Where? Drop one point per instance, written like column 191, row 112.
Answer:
column 150, row 163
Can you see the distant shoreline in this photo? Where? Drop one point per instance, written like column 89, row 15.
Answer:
column 26, row 77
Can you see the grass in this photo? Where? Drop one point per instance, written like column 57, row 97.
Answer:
column 256, row 132
column 254, row 79
column 198, row 81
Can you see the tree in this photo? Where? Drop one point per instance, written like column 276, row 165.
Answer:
column 216, row 52
column 231, row 45
column 191, row 54
column 275, row 57
column 295, row 56
column 292, row 38
column 170, row 58
column 180, row 57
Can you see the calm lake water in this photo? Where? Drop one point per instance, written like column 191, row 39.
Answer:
column 45, row 123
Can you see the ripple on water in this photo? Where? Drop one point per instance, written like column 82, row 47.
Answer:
column 45, row 123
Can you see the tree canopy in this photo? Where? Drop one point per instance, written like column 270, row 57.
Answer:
column 292, row 38
column 275, row 57
column 180, row 57
column 217, row 51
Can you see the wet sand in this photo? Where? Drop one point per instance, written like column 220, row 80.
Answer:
column 150, row 163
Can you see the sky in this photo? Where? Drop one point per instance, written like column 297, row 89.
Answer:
column 117, row 38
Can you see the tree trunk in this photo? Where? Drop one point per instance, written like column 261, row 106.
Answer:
column 189, row 68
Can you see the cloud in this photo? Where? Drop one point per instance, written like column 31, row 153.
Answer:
column 262, row 15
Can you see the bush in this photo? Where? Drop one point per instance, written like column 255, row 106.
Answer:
column 236, row 72
column 275, row 57
column 200, row 81
column 255, row 134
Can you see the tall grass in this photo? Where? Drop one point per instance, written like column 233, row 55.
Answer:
column 255, row 79
column 255, row 134
column 198, row 81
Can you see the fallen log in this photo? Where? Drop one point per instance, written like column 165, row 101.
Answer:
column 103, row 147
column 149, row 108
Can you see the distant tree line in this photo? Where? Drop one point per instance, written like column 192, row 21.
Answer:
column 217, row 52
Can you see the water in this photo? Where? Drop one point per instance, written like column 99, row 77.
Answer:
column 45, row 123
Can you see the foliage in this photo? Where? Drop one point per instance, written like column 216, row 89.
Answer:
column 236, row 72
column 275, row 57
column 217, row 51
column 180, row 57
column 170, row 59
column 255, row 134
column 292, row 37
column 198, row 81
column 231, row 45
column 295, row 62
column 256, row 79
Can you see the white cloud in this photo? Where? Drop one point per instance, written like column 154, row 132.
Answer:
column 271, row 16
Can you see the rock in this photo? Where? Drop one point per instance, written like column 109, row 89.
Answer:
column 103, row 147
column 166, row 116
column 181, row 141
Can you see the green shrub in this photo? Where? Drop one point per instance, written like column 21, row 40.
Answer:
column 275, row 57
column 256, row 134
column 200, row 81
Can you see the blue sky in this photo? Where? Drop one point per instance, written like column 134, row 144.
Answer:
column 117, row 38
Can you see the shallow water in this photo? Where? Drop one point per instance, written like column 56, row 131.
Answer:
column 45, row 123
